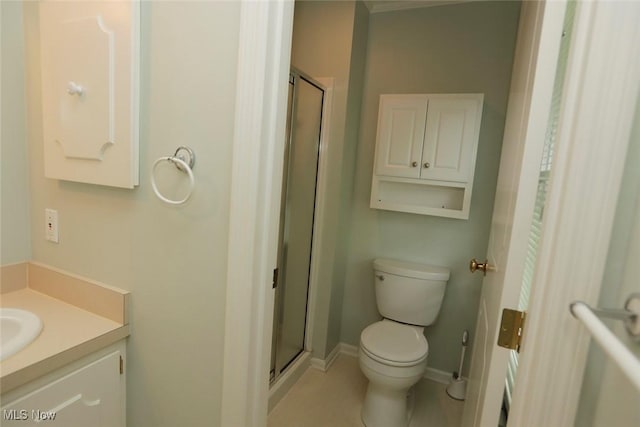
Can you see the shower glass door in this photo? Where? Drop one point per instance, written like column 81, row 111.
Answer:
column 296, row 220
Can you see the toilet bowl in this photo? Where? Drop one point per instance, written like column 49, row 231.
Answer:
column 393, row 352
column 393, row 357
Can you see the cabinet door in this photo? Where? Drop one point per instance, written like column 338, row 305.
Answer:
column 451, row 138
column 90, row 396
column 89, row 70
column 401, row 122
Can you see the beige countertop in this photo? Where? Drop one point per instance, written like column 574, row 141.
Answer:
column 68, row 334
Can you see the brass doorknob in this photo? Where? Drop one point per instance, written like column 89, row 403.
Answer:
column 482, row 266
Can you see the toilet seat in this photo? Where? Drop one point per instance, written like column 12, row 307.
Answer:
column 394, row 344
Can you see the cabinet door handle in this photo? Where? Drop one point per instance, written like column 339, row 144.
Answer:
column 414, row 164
column 427, row 165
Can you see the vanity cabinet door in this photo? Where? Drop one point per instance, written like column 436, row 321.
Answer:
column 92, row 395
column 450, row 139
column 401, row 125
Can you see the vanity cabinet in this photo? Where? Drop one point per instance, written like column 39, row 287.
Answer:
column 88, row 392
column 426, row 152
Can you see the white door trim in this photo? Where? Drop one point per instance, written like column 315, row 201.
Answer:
column 601, row 88
column 320, row 209
column 261, row 103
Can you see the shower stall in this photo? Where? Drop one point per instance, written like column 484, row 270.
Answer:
column 297, row 211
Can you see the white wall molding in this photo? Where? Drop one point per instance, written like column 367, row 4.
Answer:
column 261, row 102
column 438, row 375
column 320, row 209
column 348, row 349
column 324, row 364
column 381, row 6
column 341, row 348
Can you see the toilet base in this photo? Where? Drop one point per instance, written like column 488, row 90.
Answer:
column 389, row 398
column 384, row 407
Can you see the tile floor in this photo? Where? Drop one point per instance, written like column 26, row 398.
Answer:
column 334, row 399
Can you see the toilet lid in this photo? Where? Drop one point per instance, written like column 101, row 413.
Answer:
column 394, row 342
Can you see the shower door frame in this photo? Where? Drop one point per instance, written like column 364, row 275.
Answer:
column 326, row 86
column 319, row 210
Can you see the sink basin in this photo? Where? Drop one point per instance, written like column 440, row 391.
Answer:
column 18, row 328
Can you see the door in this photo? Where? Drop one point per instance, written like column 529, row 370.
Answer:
column 277, row 303
column 92, row 395
column 537, row 46
column 400, row 135
column 602, row 378
column 296, row 220
column 599, row 101
column 451, row 138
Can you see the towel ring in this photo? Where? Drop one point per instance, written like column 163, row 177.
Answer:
column 184, row 165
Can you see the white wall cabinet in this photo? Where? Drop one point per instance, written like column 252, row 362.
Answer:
column 90, row 392
column 426, row 153
column 89, row 53
column 401, row 127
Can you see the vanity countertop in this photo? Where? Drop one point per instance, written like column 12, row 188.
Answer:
column 68, row 333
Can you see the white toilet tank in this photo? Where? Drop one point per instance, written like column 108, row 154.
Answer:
column 409, row 292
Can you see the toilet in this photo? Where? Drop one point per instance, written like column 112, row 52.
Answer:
column 393, row 352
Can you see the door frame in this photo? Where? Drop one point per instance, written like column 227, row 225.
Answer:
column 555, row 347
column 599, row 101
column 319, row 211
column 264, row 56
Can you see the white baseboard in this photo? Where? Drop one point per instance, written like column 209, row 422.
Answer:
column 437, row 375
column 341, row 348
column 323, row 365
column 348, row 349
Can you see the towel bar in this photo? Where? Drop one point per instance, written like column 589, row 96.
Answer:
column 609, row 342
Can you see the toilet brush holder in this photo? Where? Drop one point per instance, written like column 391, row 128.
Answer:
column 457, row 388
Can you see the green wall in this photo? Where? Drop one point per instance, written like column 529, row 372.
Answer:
column 14, row 173
column 172, row 259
